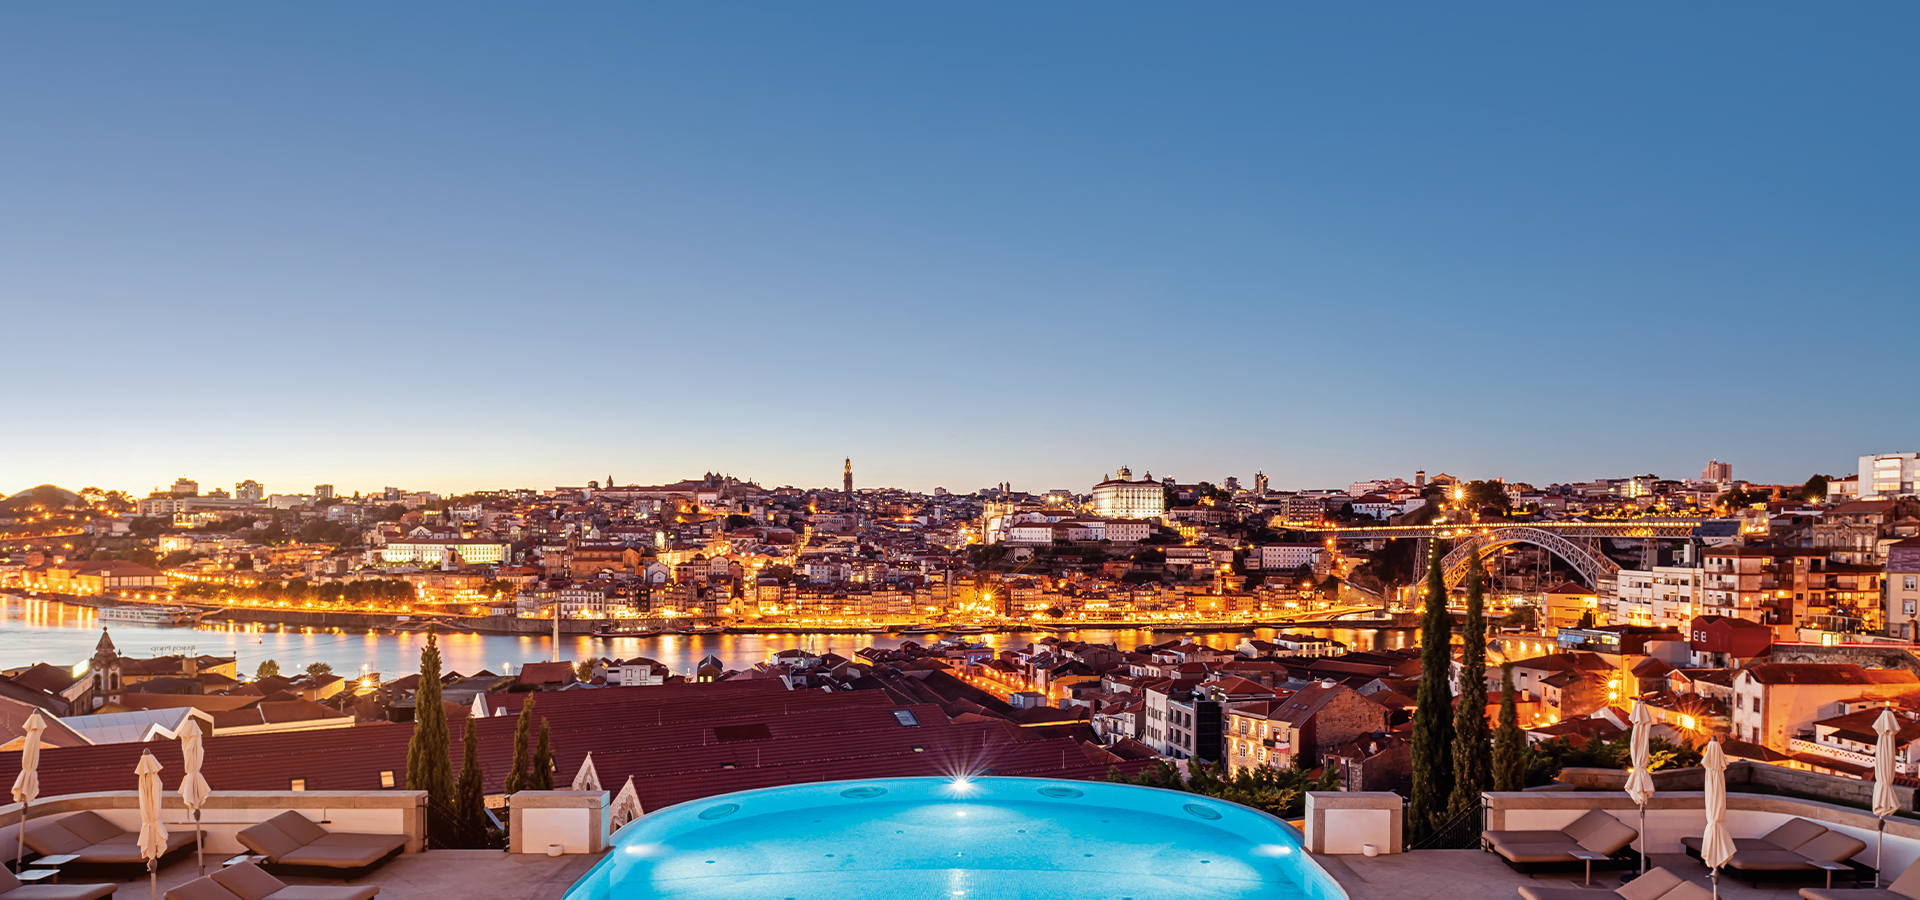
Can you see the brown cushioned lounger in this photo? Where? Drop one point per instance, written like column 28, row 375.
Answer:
column 291, row 839
column 12, row 889
column 1657, row 884
column 95, row 841
column 1790, row 835
column 1906, row 887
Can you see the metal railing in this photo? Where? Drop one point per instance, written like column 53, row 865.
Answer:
column 1462, row 832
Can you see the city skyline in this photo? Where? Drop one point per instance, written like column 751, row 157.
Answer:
column 482, row 245
column 1078, row 484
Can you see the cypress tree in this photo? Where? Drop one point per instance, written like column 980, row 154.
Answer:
column 541, row 778
column 1472, row 742
column 522, row 748
column 469, row 795
column 1509, row 743
column 429, row 751
column 1433, row 710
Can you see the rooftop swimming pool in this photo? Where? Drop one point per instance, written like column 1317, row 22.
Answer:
column 956, row 839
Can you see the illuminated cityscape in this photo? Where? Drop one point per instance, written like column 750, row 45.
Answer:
column 640, row 451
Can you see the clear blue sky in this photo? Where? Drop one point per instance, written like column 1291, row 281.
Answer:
column 465, row 245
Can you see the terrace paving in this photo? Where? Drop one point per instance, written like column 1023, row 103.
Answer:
column 1450, row 874
column 434, row 875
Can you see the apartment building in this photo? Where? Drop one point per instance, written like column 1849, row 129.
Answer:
column 1774, row 703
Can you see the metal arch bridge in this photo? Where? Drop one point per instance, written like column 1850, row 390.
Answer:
column 1583, row 556
column 1670, row 527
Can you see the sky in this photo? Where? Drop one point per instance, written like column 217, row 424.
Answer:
column 453, row 246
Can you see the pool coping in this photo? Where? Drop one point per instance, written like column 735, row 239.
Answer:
column 1300, row 839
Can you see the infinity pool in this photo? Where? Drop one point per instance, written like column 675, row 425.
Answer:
column 984, row 839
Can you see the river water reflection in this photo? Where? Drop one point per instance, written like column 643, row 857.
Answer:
column 34, row 631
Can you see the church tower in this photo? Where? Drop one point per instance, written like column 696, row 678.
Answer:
column 846, row 479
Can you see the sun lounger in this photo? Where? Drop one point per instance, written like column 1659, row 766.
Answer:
column 1597, row 831
column 1790, row 835
column 1906, row 887
column 293, row 842
column 1657, row 884
column 247, row 881
column 98, row 844
column 12, row 889
column 1798, row 863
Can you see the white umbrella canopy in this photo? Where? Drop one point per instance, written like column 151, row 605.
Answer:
column 1640, row 779
column 626, row 805
column 1716, row 845
column 193, row 786
column 1885, row 801
column 26, row 785
column 153, row 833
column 588, row 778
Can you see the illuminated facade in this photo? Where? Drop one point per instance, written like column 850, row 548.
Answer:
column 433, row 551
column 1889, row 475
column 1120, row 497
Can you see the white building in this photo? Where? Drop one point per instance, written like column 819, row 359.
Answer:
column 1664, row 596
column 433, row 551
column 1123, row 531
column 1288, row 556
column 1889, row 475
column 1120, row 497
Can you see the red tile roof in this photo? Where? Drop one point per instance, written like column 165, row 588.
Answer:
column 664, row 736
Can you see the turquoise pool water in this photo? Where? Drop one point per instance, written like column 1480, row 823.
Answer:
column 942, row 839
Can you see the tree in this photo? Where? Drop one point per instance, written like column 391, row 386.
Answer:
column 583, row 670
column 522, row 755
column 1521, row 617
column 1509, row 742
column 429, row 767
column 268, row 669
column 1433, row 709
column 1472, row 743
column 1815, row 489
column 469, row 797
column 319, row 669
column 1476, row 494
column 1586, row 620
column 541, row 778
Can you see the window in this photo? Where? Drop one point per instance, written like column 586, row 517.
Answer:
column 905, row 717
column 298, row 784
column 386, row 778
column 1756, row 704
column 1910, row 582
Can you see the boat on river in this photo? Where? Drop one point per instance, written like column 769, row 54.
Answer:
column 152, row 616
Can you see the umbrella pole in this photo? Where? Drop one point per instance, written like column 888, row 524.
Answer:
column 1716, row 883
column 199, row 844
column 1643, row 839
column 20, row 852
column 1880, row 852
column 153, row 880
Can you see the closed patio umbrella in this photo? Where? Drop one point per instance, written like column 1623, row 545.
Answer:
column 153, row 833
column 1716, row 845
column 626, row 805
column 588, row 778
column 1640, row 780
column 26, row 785
column 1885, row 802
column 193, row 786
